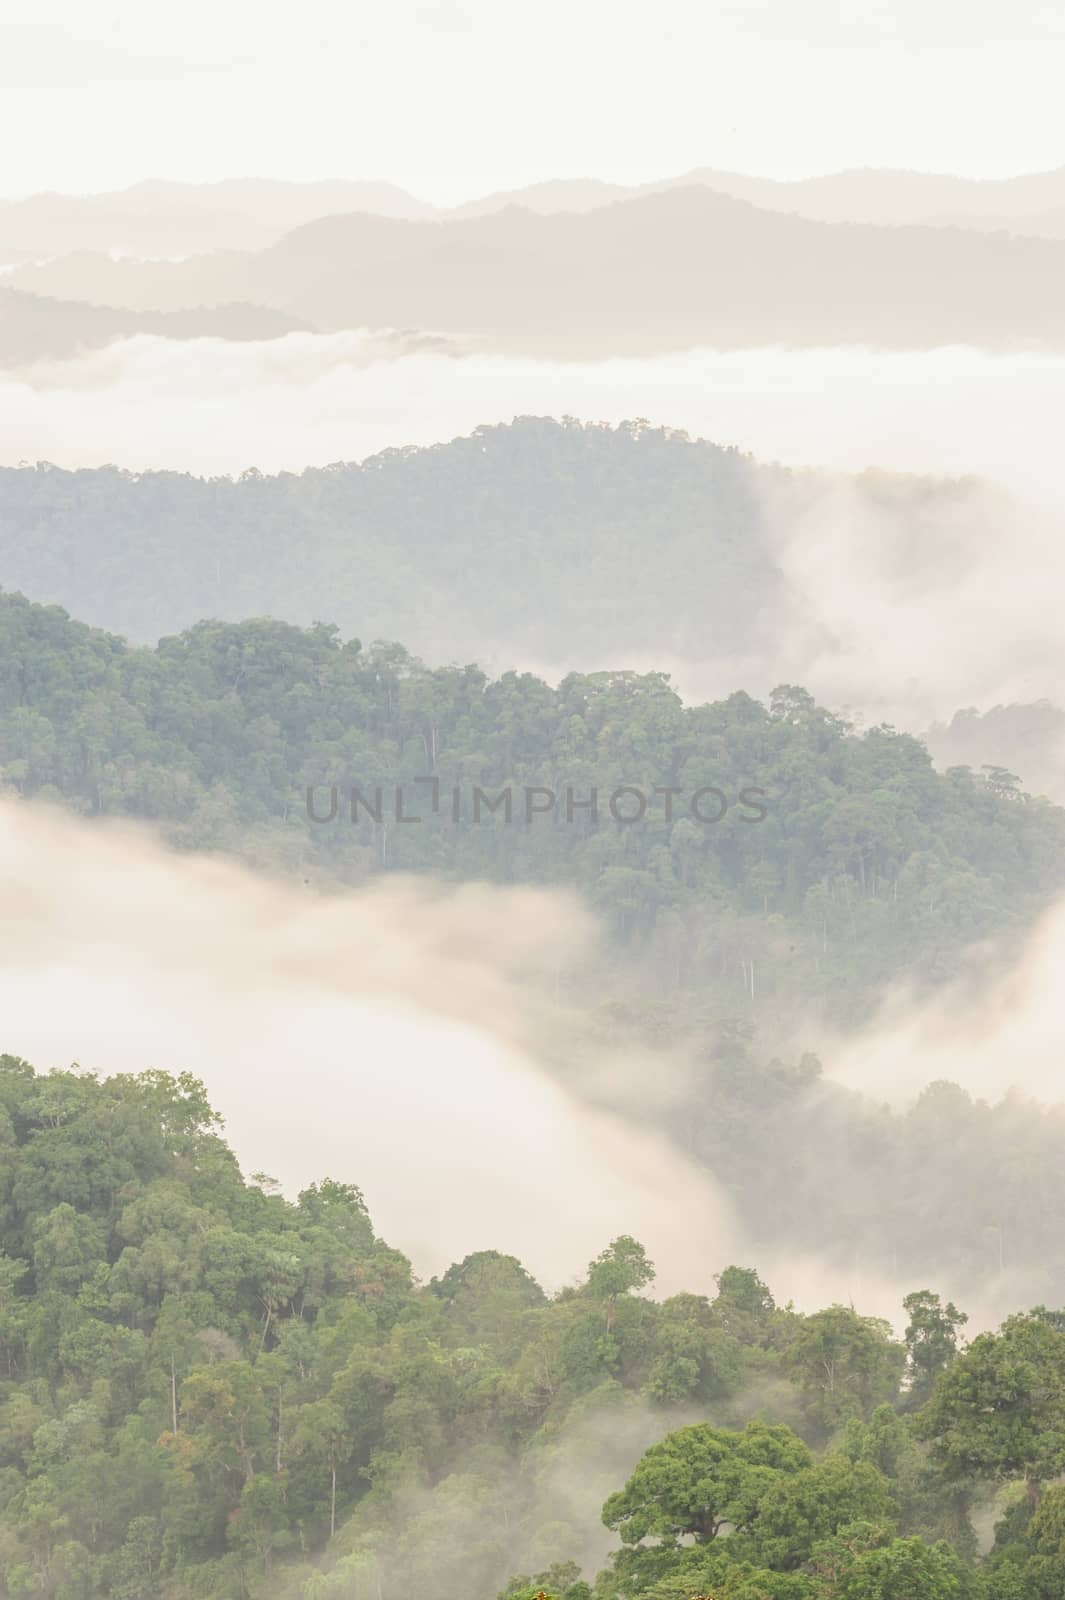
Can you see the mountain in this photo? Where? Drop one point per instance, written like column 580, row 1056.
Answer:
column 36, row 328
column 56, row 224
column 1028, row 739
column 896, row 198
column 556, row 194
column 539, row 542
column 165, row 217
column 539, row 539
column 267, row 1385
column 1032, row 204
column 128, row 284
column 663, row 272
column 271, row 201
column 172, row 220
column 838, row 862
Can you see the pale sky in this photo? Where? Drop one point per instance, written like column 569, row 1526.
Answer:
column 455, row 98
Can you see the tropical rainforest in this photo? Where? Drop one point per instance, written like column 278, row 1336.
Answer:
column 492, row 543
column 532, row 803
column 208, row 1390
column 853, row 861
column 731, row 940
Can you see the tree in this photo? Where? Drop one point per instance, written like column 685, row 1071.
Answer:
column 844, row 1364
column 998, row 1411
column 622, row 1267
column 201, row 1382
column 224, row 1406
column 701, row 1479
column 907, row 1569
column 260, row 1525
column 321, row 1430
column 561, row 1581
column 744, row 1305
column 862, row 1561
column 693, row 1357
column 1044, row 1546
column 488, row 1297
column 931, row 1341
column 807, row 1506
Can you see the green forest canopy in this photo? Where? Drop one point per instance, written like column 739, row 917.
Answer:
column 540, row 540
column 537, row 541
column 868, row 866
column 209, row 1390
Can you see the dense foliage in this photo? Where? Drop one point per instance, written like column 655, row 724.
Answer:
column 952, row 1188
column 207, row 1390
column 490, row 546
column 866, row 866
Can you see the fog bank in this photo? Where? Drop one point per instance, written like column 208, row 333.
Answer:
column 208, row 406
column 1000, row 1029
column 408, row 1038
column 892, row 611
column 388, row 1038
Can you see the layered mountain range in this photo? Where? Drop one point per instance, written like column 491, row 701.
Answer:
column 566, row 270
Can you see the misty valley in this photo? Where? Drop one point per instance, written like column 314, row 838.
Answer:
column 280, row 1401
column 532, row 802
column 242, row 1369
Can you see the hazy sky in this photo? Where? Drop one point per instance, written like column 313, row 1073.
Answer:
column 460, row 96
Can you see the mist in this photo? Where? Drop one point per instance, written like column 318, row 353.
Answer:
column 894, row 610
column 207, row 406
column 409, row 1038
column 999, row 1029
column 904, row 607
column 366, row 429
column 388, row 1038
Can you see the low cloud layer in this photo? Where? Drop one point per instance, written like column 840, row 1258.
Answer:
column 394, row 1038
column 209, row 407
column 409, row 1038
column 999, row 1029
column 892, row 615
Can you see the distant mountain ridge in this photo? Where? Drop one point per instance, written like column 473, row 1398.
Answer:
column 1032, row 203
column 541, row 541
column 159, row 218
column 37, row 328
column 533, row 540
column 663, row 272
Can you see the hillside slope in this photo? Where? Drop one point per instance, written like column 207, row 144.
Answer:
column 36, row 328
column 558, row 543
column 831, row 862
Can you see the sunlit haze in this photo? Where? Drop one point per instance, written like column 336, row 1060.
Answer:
column 459, row 97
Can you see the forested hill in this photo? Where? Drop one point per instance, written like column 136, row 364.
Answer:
column 209, row 1392
column 540, row 541
column 851, row 862
column 36, row 328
